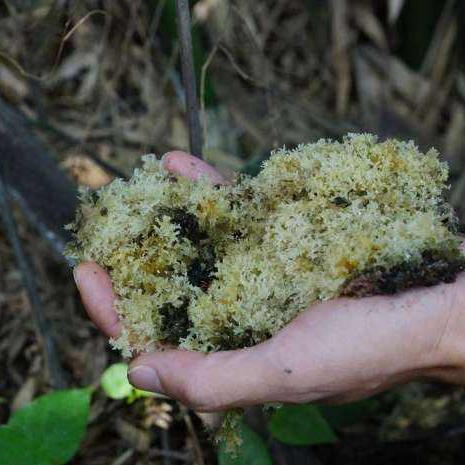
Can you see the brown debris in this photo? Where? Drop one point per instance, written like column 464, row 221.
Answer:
column 86, row 172
column 431, row 270
column 283, row 72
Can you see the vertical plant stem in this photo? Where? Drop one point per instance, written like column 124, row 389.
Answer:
column 51, row 358
column 165, row 446
column 188, row 77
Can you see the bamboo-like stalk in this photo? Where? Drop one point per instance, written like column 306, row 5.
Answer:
column 188, row 77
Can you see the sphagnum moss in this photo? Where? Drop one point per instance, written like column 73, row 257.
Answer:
column 218, row 267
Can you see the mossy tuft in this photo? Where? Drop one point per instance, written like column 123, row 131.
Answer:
column 214, row 267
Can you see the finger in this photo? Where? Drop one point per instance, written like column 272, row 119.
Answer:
column 97, row 296
column 211, row 382
column 191, row 167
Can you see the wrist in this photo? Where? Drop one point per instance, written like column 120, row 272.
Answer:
column 447, row 341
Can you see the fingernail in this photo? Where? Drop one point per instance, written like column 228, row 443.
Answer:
column 145, row 378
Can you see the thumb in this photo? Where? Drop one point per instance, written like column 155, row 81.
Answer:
column 210, row 382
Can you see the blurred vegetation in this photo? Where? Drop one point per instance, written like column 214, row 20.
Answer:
column 100, row 81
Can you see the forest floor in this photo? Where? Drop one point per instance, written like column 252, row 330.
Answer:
column 100, row 83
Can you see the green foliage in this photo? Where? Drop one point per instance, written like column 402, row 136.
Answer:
column 416, row 30
column 341, row 416
column 115, row 384
column 47, row 431
column 168, row 26
column 301, row 425
column 252, row 451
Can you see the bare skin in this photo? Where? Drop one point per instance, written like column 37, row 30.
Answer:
column 337, row 351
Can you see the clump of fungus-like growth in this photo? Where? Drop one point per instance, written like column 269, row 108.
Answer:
column 216, row 267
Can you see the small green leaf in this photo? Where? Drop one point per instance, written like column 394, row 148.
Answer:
column 115, row 382
column 300, row 425
column 47, row 431
column 252, row 450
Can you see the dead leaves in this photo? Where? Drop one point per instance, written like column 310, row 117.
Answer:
column 86, row 172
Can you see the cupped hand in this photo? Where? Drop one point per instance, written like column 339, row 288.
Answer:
column 340, row 350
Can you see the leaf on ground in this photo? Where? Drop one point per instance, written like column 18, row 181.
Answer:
column 341, row 416
column 300, row 425
column 47, row 431
column 16, row 449
column 252, row 451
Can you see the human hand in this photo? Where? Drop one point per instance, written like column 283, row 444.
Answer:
column 340, row 350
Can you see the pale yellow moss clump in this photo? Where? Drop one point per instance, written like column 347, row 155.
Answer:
column 211, row 267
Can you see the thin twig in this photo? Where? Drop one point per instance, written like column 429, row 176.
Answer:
column 243, row 74
column 123, row 458
column 70, row 33
column 165, row 446
column 203, row 78
column 193, row 434
column 180, row 456
column 188, row 76
column 56, row 373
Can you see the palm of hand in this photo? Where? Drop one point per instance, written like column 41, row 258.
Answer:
column 340, row 350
